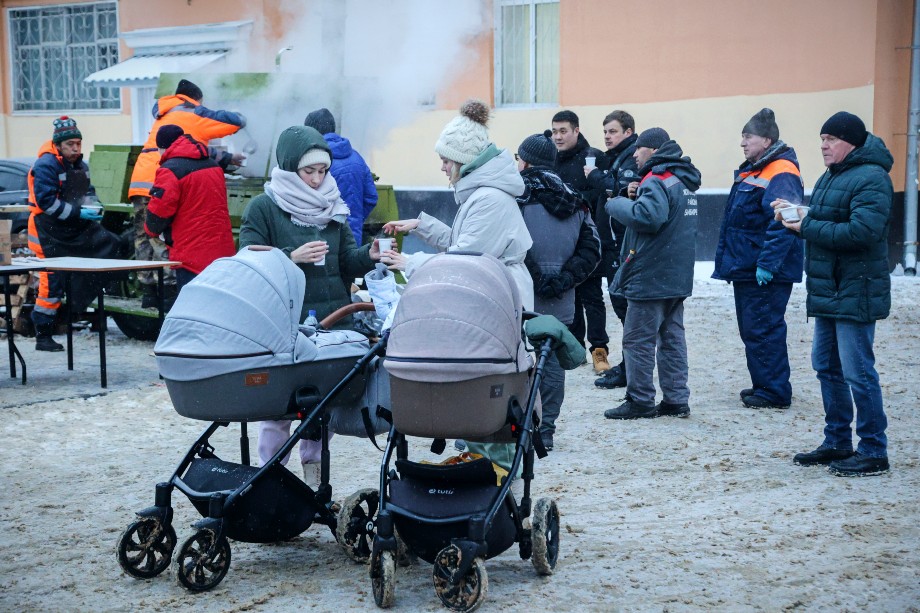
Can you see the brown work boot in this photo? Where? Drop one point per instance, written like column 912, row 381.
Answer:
column 599, row 356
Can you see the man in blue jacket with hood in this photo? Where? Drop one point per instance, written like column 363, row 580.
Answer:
column 350, row 171
column 656, row 275
column 761, row 258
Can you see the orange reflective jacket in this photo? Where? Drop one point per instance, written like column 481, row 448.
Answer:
column 201, row 123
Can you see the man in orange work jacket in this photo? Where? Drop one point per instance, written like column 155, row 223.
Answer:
column 182, row 109
column 761, row 258
column 63, row 223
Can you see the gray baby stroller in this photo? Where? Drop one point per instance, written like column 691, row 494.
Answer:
column 231, row 350
column 459, row 368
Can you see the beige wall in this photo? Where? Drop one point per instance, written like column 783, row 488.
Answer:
column 641, row 51
column 708, row 129
column 27, row 134
column 699, row 68
column 892, row 81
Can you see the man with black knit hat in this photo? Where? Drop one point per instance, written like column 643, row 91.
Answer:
column 845, row 228
column 565, row 250
column 64, row 221
column 350, row 171
column 590, row 313
column 761, row 259
column 188, row 204
column 615, row 170
column 183, row 109
column 660, row 216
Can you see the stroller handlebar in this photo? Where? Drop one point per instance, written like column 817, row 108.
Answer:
column 332, row 318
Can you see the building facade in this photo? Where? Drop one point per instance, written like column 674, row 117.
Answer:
column 394, row 73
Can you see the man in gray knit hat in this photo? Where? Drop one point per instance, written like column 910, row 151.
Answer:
column 761, row 259
column 565, row 250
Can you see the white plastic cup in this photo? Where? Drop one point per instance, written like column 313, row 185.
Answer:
column 321, row 262
column 590, row 161
column 385, row 244
column 789, row 213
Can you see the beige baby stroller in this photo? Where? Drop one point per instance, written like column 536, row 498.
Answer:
column 459, row 368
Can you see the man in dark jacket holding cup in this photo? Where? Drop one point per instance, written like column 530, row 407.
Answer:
column 849, row 288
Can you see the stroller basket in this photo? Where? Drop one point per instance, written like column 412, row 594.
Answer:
column 277, row 507
column 437, row 491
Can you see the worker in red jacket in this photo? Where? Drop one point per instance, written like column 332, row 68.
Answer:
column 188, row 204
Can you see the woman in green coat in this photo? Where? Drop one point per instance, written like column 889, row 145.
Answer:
column 302, row 213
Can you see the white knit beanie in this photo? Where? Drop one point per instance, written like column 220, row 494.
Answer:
column 465, row 136
column 314, row 156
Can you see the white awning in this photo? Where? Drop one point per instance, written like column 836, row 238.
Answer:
column 144, row 71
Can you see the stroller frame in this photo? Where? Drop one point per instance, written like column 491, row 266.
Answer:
column 457, row 566
column 145, row 548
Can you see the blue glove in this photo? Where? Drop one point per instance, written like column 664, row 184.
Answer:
column 90, row 215
column 763, row 276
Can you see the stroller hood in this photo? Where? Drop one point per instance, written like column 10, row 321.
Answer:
column 458, row 319
column 240, row 313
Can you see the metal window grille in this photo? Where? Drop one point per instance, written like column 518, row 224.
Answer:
column 54, row 48
column 527, row 51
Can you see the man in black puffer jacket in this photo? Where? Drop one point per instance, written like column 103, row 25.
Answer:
column 660, row 215
column 614, row 172
column 571, row 150
column 565, row 251
column 849, row 288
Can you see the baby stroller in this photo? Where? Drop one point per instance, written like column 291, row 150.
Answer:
column 231, row 350
column 459, row 368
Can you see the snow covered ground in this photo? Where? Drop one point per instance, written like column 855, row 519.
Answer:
column 699, row 514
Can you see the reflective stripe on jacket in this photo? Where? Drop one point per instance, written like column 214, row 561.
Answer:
column 750, row 237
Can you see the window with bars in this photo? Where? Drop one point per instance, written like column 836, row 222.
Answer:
column 527, row 51
column 54, row 48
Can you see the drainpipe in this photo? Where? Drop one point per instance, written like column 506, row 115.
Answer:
column 913, row 127
column 282, row 51
column 271, row 143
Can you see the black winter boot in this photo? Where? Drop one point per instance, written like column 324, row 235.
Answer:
column 45, row 342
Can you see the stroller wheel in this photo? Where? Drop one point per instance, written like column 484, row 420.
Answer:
column 145, row 548
column 470, row 592
column 355, row 527
column 383, row 579
column 545, row 536
column 198, row 572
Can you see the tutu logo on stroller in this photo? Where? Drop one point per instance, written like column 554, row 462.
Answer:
column 436, row 491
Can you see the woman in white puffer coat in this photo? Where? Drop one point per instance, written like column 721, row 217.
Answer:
column 486, row 183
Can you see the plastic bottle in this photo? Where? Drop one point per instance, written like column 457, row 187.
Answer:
column 311, row 320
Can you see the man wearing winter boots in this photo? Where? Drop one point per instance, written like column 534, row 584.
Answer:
column 64, row 221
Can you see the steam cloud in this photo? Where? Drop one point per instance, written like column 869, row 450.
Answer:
column 374, row 63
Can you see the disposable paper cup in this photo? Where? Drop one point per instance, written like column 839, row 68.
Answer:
column 791, row 213
column 590, row 161
column 385, row 244
column 321, row 262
